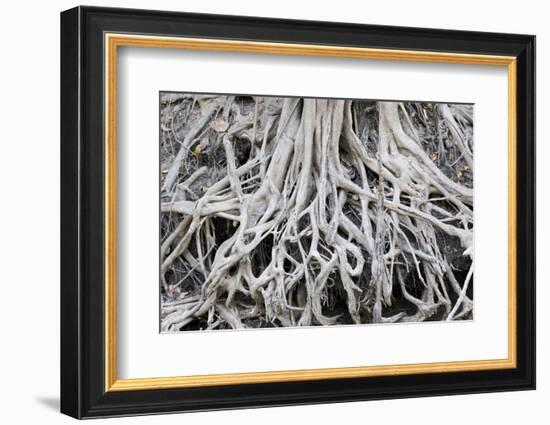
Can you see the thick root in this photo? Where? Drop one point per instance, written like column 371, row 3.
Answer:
column 299, row 212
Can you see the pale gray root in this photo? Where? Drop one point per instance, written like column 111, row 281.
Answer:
column 339, row 214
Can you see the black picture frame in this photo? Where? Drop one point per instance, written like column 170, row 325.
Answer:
column 83, row 392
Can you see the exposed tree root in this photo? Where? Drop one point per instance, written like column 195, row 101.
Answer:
column 299, row 212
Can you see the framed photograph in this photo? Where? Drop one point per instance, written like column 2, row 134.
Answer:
column 261, row 212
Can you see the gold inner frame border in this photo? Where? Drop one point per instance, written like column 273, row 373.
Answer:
column 111, row 43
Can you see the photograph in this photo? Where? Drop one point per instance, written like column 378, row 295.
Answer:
column 297, row 211
column 286, row 210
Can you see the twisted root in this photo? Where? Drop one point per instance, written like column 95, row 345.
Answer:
column 308, row 215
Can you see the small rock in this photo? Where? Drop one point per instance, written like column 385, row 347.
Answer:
column 219, row 125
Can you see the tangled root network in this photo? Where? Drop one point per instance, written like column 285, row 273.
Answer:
column 283, row 212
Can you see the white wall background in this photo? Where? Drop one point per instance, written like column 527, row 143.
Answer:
column 29, row 211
